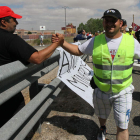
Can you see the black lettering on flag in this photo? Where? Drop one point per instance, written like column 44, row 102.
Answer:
column 73, row 61
column 84, row 72
column 76, row 81
column 83, row 79
column 66, row 64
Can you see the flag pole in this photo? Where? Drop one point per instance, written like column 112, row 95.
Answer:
column 133, row 21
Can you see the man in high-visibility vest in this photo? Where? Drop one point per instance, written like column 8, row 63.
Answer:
column 131, row 32
column 113, row 59
column 127, row 31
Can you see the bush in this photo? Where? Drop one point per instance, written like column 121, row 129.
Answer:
column 36, row 41
column 45, row 41
column 29, row 32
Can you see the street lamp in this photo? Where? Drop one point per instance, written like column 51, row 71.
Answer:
column 65, row 16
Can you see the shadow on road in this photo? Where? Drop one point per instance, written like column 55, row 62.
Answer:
column 76, row 126
column 70, row 102
column 136, row 96
column 136, row 121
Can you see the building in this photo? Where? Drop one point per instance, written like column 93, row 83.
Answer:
column 33, row 32
column 69, row 28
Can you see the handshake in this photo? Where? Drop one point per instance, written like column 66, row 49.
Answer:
column 57, row 38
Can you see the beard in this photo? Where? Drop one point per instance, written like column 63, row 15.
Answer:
column 11, row 30
column 111, row 32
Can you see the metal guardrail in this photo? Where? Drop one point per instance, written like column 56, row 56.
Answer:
column 14, row 77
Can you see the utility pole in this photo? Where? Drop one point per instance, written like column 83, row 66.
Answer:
column 65, row 7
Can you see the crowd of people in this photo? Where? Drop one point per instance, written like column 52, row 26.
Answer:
column 112, row 56
column 82, row 35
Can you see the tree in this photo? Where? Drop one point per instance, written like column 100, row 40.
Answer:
column 81, row 27
column 92, row 25
column 29, row 32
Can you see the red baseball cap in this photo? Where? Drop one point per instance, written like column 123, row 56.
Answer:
column 5, row 11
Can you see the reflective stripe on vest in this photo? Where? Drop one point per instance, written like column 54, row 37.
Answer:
column 107, row 67
column 115, row 81
column 117, row 74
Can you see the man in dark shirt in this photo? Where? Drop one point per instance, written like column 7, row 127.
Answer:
column 13, row 48
column 137, row 35
column 82, row 35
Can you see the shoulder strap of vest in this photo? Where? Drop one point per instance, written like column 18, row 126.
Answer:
column 99, row 40
column 128, row 40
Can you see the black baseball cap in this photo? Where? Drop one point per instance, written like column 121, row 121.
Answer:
column 124, row 22
column 112, row 13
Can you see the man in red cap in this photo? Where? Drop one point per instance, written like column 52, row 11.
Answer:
column 13, row 48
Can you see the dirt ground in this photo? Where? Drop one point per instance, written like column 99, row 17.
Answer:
column 69, row 117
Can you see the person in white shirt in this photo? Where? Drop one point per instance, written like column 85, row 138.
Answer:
column 41, row 40
column 90, row 34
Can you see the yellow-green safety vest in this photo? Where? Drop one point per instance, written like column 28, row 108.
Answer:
column 114, row 75
column 127, row 33
column 132, row 33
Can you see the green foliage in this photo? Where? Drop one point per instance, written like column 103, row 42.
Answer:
column 92, row 25
column 81, row 27
column 29, row 32
column 45, row 41
column 69, row 39
column 36, row 41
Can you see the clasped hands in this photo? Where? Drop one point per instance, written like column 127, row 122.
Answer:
column 58, row 38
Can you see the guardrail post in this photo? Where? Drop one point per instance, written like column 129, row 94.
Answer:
column 88, row 58
column 33, row 90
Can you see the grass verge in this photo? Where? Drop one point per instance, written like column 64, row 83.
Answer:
column 36, row 42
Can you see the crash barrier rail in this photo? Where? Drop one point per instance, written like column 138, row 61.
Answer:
column 14, row 77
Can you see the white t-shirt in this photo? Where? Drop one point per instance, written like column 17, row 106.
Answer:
column 77, row 43
column 41, row 37
column 113, row 44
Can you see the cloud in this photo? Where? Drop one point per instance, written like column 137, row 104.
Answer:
column 50, row 13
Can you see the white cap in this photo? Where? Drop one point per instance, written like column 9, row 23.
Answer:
column 127, row 30
column 130, row 27
column 104, row 31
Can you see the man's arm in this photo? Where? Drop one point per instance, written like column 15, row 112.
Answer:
column 71, row 48
column 40, row 56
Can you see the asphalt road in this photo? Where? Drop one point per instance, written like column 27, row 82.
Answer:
column 71, row 118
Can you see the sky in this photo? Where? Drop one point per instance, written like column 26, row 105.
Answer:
column 51, row 13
